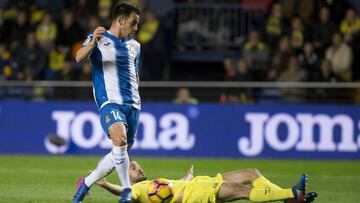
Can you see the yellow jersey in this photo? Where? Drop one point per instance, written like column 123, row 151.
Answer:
column 200, row 189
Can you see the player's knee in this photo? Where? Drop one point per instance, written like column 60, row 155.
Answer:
column 119, row 140
column 254, row 172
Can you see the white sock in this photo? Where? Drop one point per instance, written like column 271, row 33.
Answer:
column 104, row 168
column 122, row 163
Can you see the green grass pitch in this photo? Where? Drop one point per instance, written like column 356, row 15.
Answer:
column 51, row 179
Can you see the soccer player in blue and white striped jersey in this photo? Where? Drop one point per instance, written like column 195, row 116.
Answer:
column 114, row 58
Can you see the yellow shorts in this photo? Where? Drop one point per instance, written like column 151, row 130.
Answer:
column 202, row 189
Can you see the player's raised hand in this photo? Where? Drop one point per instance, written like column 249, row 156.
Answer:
column 98, row 33
column 101, row 182
column 190, row 173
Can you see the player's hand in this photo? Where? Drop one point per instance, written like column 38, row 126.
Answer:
column 101, row 182
column 98, row 33
column 190, row 173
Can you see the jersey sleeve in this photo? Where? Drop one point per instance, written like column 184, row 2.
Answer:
column 87, row 40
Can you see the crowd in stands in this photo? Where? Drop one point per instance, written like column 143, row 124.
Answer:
column 301, row 41
column 39, row 38
column 296, row 40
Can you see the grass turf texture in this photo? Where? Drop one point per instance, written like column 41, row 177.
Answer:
column 47, row 179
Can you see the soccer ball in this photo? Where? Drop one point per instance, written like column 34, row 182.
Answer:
column 160, row 191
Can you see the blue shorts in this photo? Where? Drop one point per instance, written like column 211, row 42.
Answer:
column 116, row 113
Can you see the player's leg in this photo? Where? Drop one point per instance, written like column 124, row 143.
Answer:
column 297, row 192
column 121, row 160
column 243, row 176
column 231, row 191
column 104, row 167
column 249, row 176
column 121, row 145
column 263, row 190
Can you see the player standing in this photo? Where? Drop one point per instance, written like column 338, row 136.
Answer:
column 114, row 59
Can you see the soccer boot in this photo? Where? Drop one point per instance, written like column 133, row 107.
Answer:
column 299, row 190
column 82, row 190
column 125, row 196
column 310, row 197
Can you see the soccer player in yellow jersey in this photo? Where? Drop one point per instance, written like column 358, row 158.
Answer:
column 246, row 184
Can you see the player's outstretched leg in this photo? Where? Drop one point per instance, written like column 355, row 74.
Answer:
column 82, row 190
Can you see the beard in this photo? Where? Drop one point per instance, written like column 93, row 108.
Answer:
column 141, row 178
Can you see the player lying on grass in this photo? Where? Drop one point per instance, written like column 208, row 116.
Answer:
column 246, row 184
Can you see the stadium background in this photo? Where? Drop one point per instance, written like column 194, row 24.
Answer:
column 225, row 85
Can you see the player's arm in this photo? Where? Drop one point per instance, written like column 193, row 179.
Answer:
column 85, row 51
column 114, row 189
column 189, row 174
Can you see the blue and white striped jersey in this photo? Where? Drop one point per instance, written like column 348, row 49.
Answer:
column 115, row 67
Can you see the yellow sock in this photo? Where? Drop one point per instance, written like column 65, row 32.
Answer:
column 266, row 194
column 262, row 182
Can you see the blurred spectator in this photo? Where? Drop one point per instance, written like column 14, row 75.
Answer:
column 323, row 30
column 16, row 31
column 31, row 60
column 229, row 67
column 337, row 8
column 326, row 73
column 46, row 32
column 57, row 63
column 104, row 8
column 256, row 54
column 302, row 8
column 309, row 60
column 149, row 28
column 70, row 31
column 183, row 96
column 67, row 72
column 275, row 25
column 350, row 25
column 280, row 59
column 6, row 70
column 294, row 73
column 341, row 57
column 37, row 13
column 297, row 34
column 242, row 74
column 151, row 37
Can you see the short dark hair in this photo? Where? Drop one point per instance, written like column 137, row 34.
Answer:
column 124, row 9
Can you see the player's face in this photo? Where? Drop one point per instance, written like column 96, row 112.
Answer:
column 130, row 25
column 136, row 173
